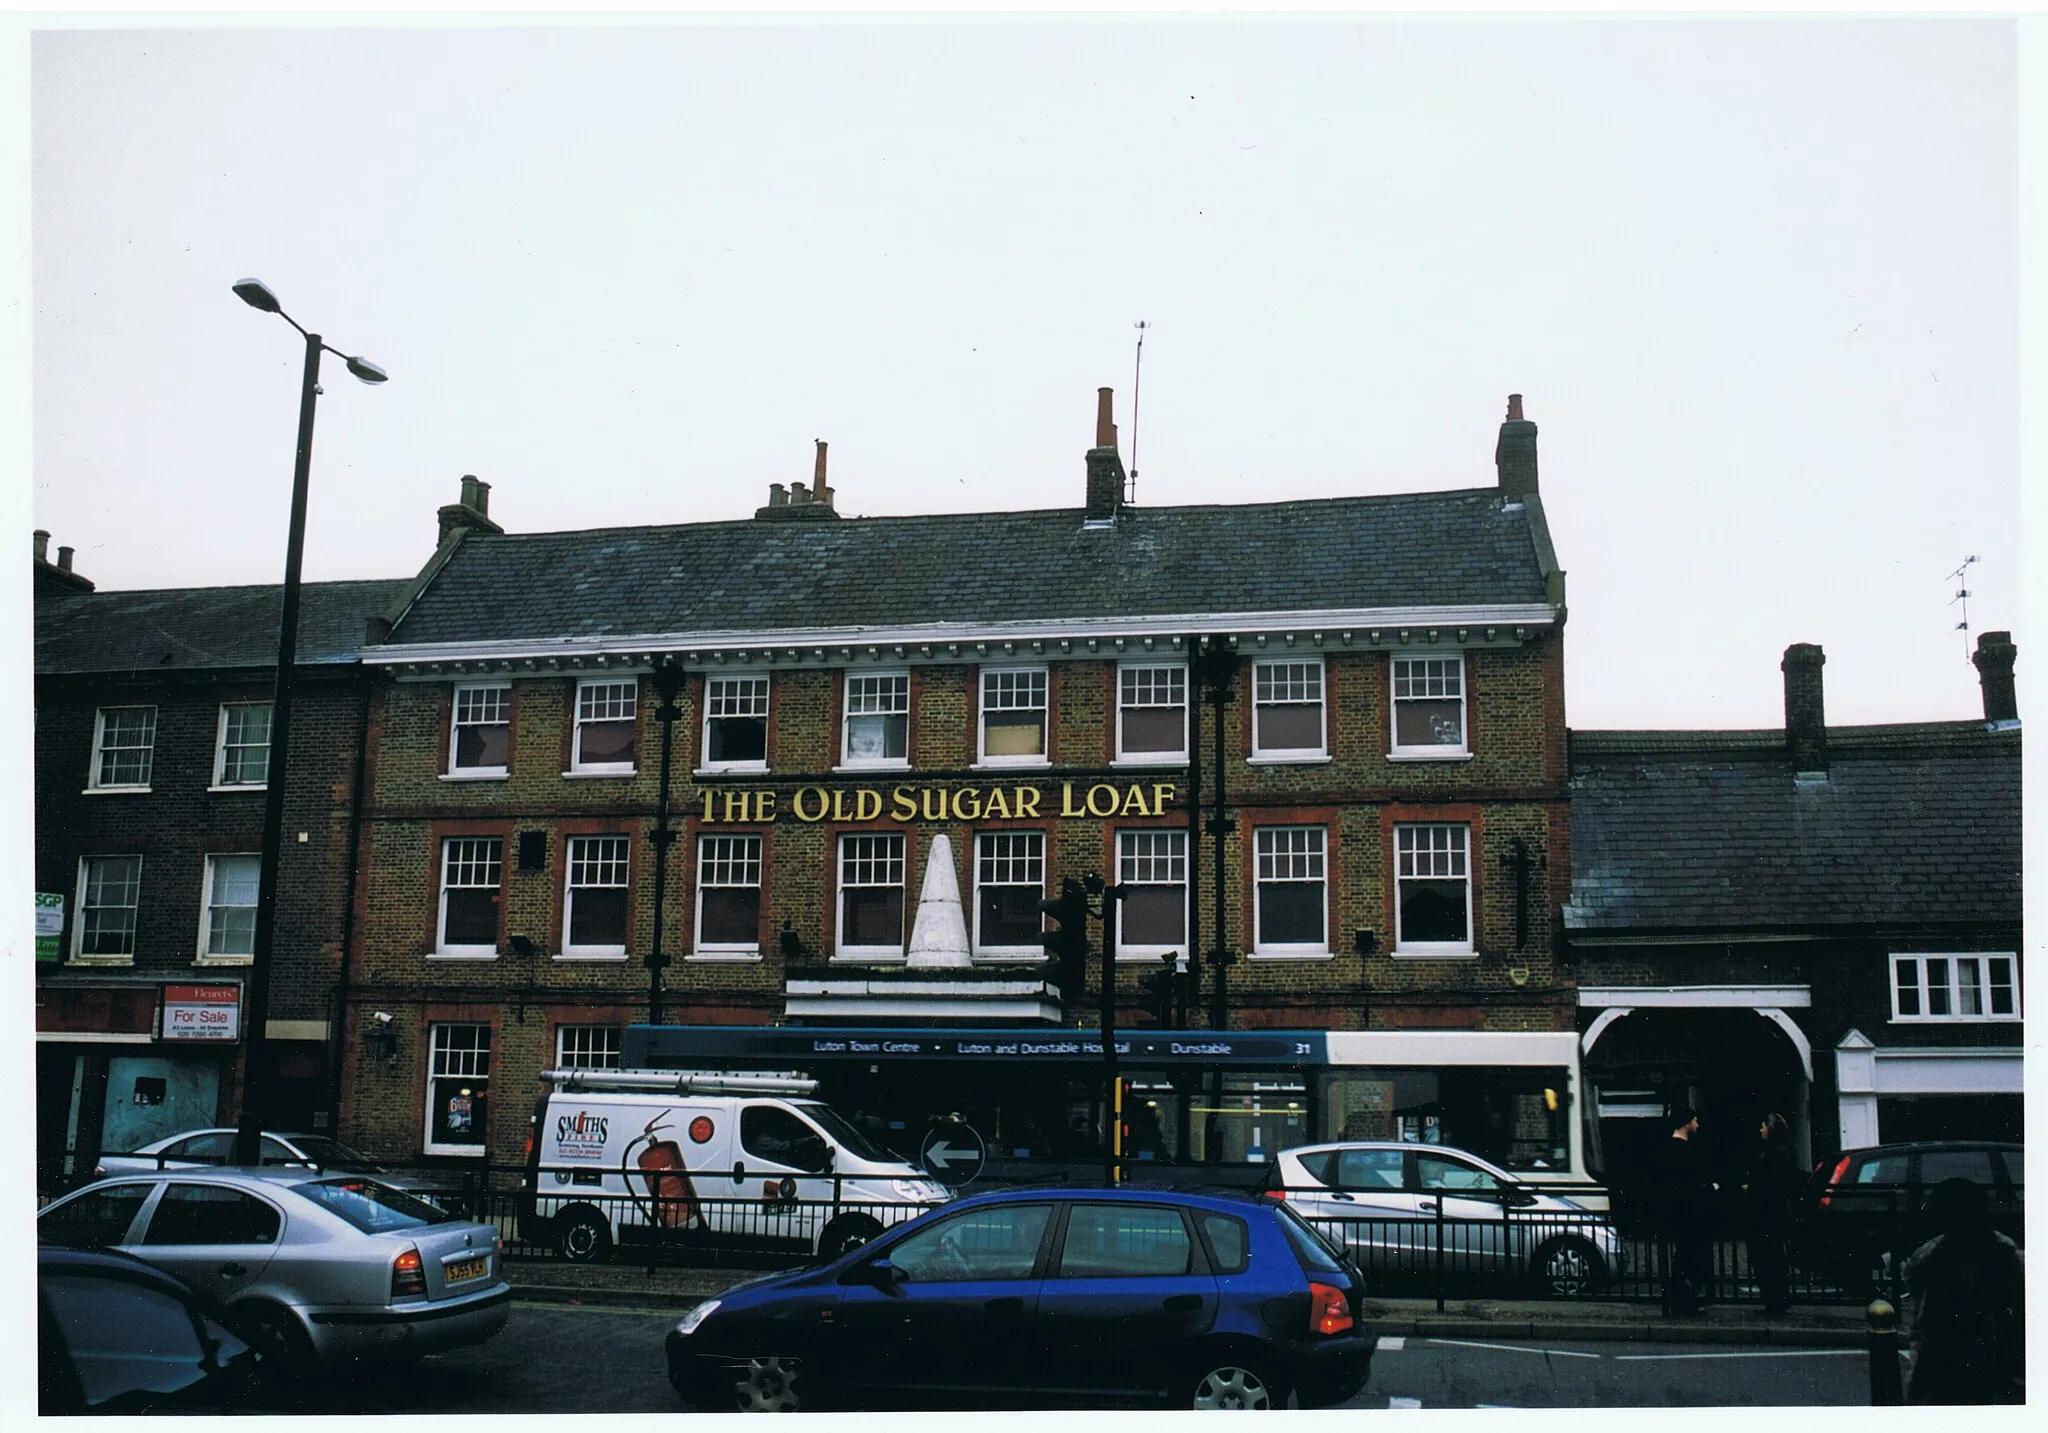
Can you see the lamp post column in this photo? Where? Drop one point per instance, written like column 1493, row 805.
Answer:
column 256, row 991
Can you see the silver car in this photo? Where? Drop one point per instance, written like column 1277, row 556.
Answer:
column 318, row 1266
column 1382, row 1201
column 203, row 1148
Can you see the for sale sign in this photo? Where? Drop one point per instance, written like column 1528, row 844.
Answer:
column 202, row 1012
column 49, row 925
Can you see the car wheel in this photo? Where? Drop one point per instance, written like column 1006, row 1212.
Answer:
column 770, row 1384
column 583, row 1237
column 1229, row 1382
column 847, row 1232
column 1568, row 1269
column 276, row 1333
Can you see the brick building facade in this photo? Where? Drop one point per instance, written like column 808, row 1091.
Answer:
column 892, row 738
column 152, row 753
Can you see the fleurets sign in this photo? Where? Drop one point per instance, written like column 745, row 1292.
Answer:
column 813, row 804
column 202, row 1012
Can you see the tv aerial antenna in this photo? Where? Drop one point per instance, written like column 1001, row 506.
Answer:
column 1137, row 372
column 1962, row 596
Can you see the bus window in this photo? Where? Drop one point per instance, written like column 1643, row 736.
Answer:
column 1515, row 1117
column 1246, row 1117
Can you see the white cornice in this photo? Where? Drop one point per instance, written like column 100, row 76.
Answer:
column 1252, row 633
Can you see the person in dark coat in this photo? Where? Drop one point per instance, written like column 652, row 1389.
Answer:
column 1967, row 1291
column 1685, row 1197
column 1772, row 1188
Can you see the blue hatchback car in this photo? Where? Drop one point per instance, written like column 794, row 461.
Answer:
column 1038, row 1297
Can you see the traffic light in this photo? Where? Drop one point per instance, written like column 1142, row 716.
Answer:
column 1162, row 987
column 1068, row 941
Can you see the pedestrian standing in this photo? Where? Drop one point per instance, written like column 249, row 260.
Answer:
column 1686, row 1201
column 1967, row 1290
column 1772, row 1187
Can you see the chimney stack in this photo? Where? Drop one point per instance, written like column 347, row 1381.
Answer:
column 1994, row 658
column 1514, row 454
column 798, row 502
column 52, row 578
column 1105, row 468
column 1806, row 723
column 471, row 513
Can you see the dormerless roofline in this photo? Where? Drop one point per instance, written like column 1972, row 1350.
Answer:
column 1500, row 625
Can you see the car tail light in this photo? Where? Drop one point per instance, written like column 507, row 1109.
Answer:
column 1328, row 1310
column 408, row 1276
column 1841, row 1168
column 526, row 1155
column 1278, row 1196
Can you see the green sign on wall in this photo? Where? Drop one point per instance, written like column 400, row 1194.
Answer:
column 49, row 926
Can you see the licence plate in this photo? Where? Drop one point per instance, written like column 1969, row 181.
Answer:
column 463, row 1270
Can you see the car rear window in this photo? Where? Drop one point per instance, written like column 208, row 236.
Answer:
column 1313, row 1252
column 2013, row 1168
column 1971, row 1164
column 1319, row 1164
column 1881, row 1169
column 372, row 1207
column 1228, row 1239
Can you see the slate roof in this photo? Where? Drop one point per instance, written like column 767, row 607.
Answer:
column 187, row 629
column 1450, row 548
column 1707, row 831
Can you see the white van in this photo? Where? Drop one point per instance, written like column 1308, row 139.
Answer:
column 715, row 1159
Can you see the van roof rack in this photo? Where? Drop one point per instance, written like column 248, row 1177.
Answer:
column 683, row 1082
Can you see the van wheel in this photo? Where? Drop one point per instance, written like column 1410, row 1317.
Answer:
column 847, row 1232
column 583, row 1237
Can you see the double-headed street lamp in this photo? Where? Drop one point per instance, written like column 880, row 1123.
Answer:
column 256, row 995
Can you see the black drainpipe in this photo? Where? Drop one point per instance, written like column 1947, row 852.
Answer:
column 348, row 904
column 1222, row 665
column 668, row 684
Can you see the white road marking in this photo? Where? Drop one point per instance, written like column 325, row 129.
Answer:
column 1516, row 1348
column 1761, row 1353
column 1390, row 1343
column 1495, row 1405
column 1394, row 1402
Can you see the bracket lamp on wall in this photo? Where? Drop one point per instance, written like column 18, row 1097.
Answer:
column 523, row 946
column 380, row 1036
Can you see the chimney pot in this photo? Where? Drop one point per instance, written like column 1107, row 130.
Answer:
column 1515, row 408
column 1105, row 426
column 42, row 541
column 1994, row 659
column 798, row 495
column 471, row 510
column 483, row 498
column 1806, row 725
column 64, row 558
column 778, row 496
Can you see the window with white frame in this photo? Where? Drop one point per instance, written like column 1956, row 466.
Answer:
column 229, row 927
column 1013, row 712
column 1287, row 708
column 242, row 757
column 458, row 1088
column 1152, row 868
column 871, row 895
column 594, row 918
column 587, row 1047
column 729, row 895
column 472, row 869
column 1289, row 916
column 607, row 726
column 1433, row 890
column 736, row 723
column 877, row 719
column 123, row 748
column 1955, row 987
column 1429, row 706
column 1151, row 713
column 1009, row 882
column 109, row 890
column 480, row 743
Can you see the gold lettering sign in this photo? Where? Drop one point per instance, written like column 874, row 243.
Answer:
column 1095, row 801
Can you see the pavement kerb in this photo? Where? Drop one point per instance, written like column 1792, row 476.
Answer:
column 679, row 1289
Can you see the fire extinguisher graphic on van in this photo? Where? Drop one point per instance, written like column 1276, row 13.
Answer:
column 660, row 1163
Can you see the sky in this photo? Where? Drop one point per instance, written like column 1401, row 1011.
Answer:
column 1758, row 280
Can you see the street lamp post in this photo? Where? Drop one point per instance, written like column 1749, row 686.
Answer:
column 256, row 994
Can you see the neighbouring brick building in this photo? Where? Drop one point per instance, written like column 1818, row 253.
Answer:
column 1824, row 922
column 889, row 739
column 152, row 729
